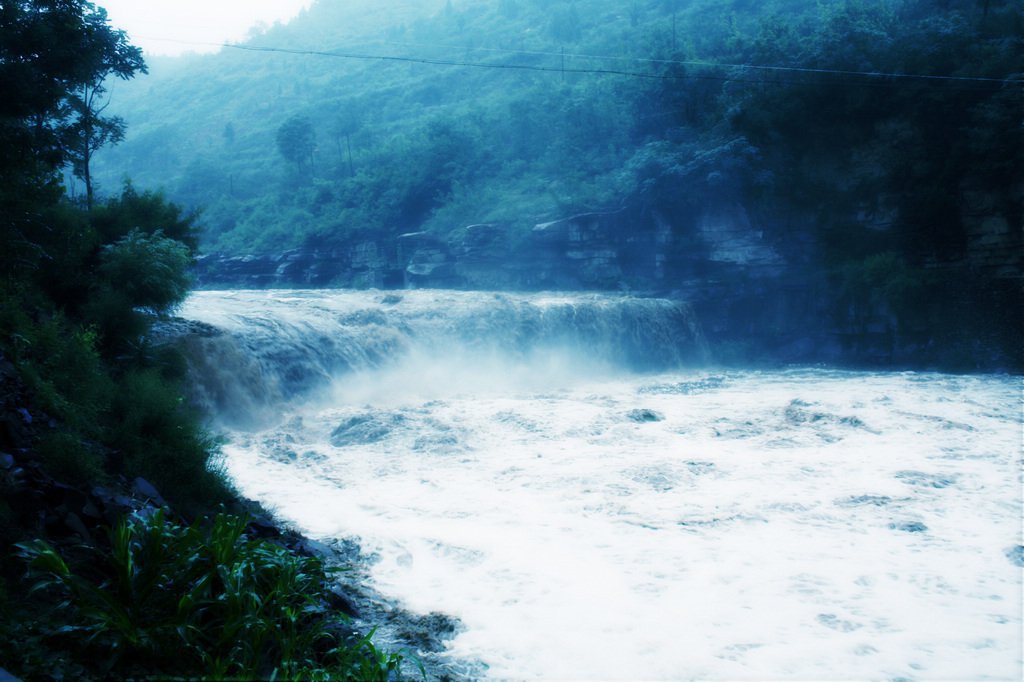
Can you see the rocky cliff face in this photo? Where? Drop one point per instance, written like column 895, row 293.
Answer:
column 587, row 251
column 994, row 229
column 756, row 284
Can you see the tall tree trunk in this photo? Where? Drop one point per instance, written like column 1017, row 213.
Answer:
column 87, row 145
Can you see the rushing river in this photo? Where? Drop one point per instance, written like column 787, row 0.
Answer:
column 566, row 476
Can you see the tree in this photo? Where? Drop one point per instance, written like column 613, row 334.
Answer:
column 296, row 141
column 51, row 52
column 348, row 122
column 86, row 131
column 80, row 287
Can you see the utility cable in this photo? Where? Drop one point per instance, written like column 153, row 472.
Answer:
column 616, row 72
column 795, row 69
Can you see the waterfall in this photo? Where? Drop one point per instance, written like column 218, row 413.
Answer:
column 258, row 348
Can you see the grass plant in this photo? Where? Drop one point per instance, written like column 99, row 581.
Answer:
column 203, row 601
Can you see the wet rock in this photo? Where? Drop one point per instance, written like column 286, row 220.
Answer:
column 146, row 489
column 429, row 632
column 645, row 415
column 314, row 548
column 262, row 527
column 339, row 601
column 54, row 493
column 91, row 512
column 74, row 500
column 11, row 432
column 7, row 677
column 909, row 526
column 74, row 523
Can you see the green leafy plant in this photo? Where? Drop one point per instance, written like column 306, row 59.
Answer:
column 204, row 601
column 161, row 438
column 150, row 269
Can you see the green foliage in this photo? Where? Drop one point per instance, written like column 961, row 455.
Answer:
column 70, row 458
column 564, row 22
column 854, row 35
column 150, row 270
column 76, row 309
column 148, row 212
column 118, row 325
column 410, row 143
column 296, row 141
column 53, row 59
column 682, row 177
column 199, row 601
column 80, row 289
column 59, row 360
column 136, row 410
column 110, row 269
column 160, row 437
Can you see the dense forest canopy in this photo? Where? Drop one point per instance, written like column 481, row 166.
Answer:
column 436, row 115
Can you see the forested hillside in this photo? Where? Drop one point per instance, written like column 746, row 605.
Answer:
column 872, row 148
column 447, row 112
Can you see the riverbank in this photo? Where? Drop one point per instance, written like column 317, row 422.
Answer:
column 395, row 627
column 43, row 513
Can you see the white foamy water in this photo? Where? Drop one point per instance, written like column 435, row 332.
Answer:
column 677, row 524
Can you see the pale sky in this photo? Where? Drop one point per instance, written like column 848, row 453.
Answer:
column 153, row 25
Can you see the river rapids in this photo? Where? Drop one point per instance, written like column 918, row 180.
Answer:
column 569, row 478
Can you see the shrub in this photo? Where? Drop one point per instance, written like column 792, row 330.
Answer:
column 148, row 210
column 191, row 601
column 59, row 361
column 151, row 270
column 69, row 458
column 161, row 438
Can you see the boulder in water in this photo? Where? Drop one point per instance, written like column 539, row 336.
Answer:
column 645, row 415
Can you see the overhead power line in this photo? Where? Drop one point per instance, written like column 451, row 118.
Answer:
column 688, row 75
column 649, row 60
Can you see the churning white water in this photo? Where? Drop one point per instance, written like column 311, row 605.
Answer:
column 594, row 506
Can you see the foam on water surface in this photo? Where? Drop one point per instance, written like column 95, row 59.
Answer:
column 803, row 524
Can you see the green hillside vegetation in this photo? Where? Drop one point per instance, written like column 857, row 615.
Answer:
column 445, row 114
